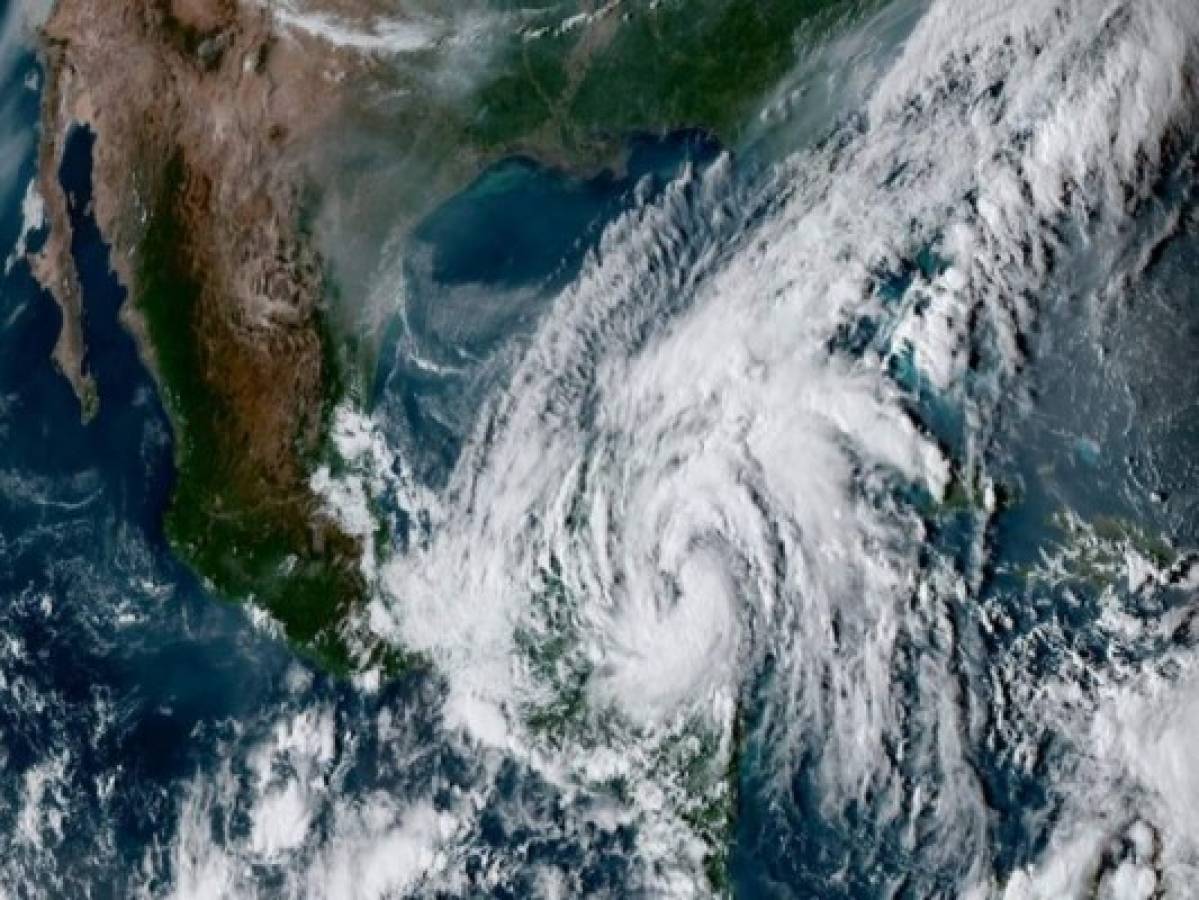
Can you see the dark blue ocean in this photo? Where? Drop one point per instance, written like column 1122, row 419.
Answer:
column 123, row 682
column 125, row 686
column 117, row 664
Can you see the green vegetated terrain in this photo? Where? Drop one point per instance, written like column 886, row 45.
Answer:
column 248, row 534
column 565, row 93
column 567, row 96
column 641, row 67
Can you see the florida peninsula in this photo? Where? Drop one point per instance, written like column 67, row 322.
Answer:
column 222, row 132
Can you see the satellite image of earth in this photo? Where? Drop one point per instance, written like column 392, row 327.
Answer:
column 599, row 448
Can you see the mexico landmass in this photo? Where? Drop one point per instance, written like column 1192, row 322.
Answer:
column 219, row 153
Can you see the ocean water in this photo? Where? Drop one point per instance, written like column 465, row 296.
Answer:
column 815, row 519
column 118, row 668
column 479, row 273
column 129, row 688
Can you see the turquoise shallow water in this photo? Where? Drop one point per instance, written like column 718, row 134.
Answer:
column 141, row 703
column 481, row 271
column 123, row 677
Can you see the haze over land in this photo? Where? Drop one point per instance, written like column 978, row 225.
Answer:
column 640, row 449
